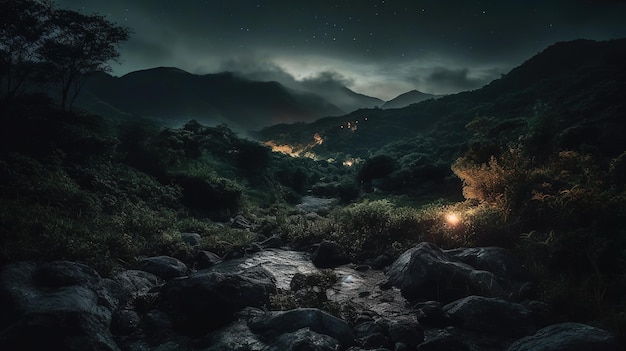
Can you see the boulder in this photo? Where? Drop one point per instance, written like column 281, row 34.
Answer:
column 54, row 306
column 427, row 272
column 406, row 332
column 126, row 285
column 444, row 340
column 567, row 337
column 206, row 301
column 496, row 260
column 431, row 314
column 304, row 339
column 491, row 316
column 164, row 267
column 273, row 324
column 206, row 259
column 329, row 255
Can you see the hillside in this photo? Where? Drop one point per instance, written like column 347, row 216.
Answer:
column 408, row 98
column 174, row 96
column 581, row 81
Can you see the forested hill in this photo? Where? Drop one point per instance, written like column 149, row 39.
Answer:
column 582, row 81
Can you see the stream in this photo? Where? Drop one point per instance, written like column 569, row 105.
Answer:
column 358, row 288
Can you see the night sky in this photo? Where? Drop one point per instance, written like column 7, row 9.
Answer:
column 378, row 48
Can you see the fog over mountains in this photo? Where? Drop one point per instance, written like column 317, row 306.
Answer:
column 174, row 96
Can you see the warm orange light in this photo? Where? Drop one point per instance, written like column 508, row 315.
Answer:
column 318, row 139
column 453, row 219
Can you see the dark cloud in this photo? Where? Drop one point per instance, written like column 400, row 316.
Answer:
column 359, row 39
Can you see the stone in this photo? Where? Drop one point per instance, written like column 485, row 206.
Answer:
column 164, row 267
column 273, row 324
column 427, row 272
column 496, row 260
column 206, row 259
column 158, row 327
column 406, row 332
column 444, row 341
column 364, row 329
column 206, row 301
column 125, row 322
column 235, row 336
column 240, row 222
column 431, row 314
column 273, row 242
column 304, row 339
column 54, row 306
column 491, row 316
column 329, row 255
column 191, row 239
column 567, row 337
column 379, row 262
column 128, row 284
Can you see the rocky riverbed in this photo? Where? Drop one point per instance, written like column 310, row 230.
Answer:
column 427, row 299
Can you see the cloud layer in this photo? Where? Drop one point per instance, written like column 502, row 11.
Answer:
column 379, row 48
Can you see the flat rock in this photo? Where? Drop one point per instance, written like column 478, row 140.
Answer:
column 273, row 324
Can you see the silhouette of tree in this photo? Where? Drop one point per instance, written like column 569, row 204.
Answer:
column 40, row 43
column 24, row 25
column 81, row 44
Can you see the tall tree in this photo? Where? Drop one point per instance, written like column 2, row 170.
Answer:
column 24, row 26
column 79, row 45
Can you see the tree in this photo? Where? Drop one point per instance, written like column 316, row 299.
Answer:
column 24, row 25
column 378, row 166
column 80, row 45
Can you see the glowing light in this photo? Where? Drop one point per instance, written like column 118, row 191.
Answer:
column 348, row 163
column 453, row 219
column 318, row 139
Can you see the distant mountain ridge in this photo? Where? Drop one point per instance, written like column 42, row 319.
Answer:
column 175, row 96
column 578, row 86
column 408, row 98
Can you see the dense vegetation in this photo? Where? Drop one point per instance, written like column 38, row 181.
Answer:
column 79, row 188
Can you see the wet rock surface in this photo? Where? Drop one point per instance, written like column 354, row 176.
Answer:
column 428, row 272
column 427, row 299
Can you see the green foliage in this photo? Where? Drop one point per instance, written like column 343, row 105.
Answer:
column 376, row 167
column 570, row 206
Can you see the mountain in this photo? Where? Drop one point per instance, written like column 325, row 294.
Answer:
column 577, row 89
column 408, row 98
column 348, row 100
column 175, row 96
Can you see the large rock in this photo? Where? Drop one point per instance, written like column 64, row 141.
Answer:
column 304, row 339
column 491, row 316
column 127, row 285
column 496, row 260
column 568, row 337
column 235, row 336
column 54, row 306
column 164, row 267
column 427, row 272
column 208, row 300
column 329, row 255
column 273, row 324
